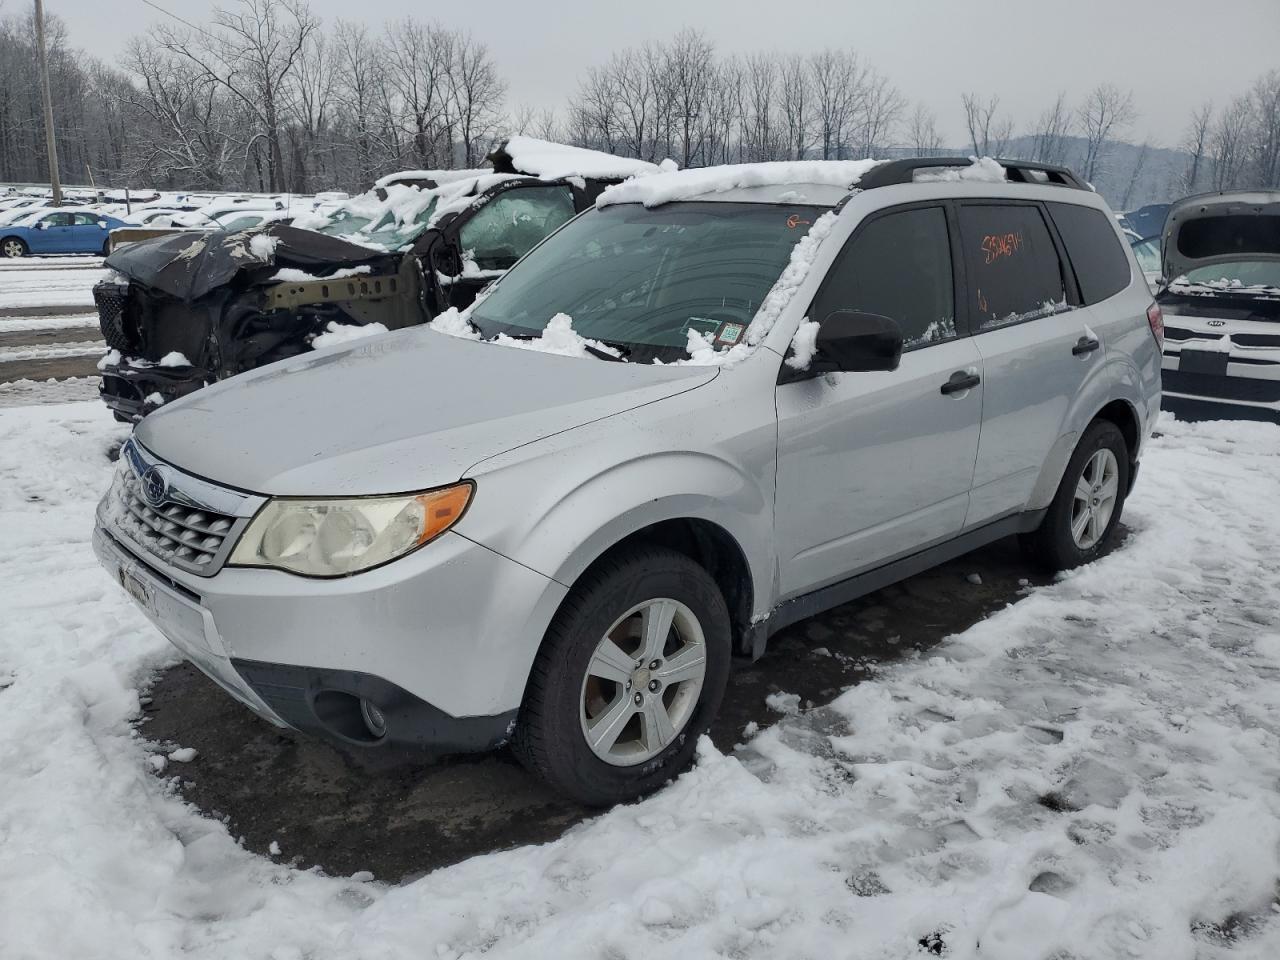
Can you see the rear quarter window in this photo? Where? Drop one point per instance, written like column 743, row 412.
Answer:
column 1012, row 264
column 1102, row 269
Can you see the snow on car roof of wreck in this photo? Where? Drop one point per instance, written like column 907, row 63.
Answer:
column 706, row 182
column 550, row 161
column 436, row 176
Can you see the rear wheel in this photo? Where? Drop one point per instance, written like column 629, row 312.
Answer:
column 13, row 247
column 630, row 674
column 1085, row 511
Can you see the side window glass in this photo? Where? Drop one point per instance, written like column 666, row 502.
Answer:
column 1013, row 267
column 899, row 266
column 58, row 220
column 86, row 220
column 1102, row 269
column 509, row 226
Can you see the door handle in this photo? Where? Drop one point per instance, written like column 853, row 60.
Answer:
column 1085, row 345
column 960, row 381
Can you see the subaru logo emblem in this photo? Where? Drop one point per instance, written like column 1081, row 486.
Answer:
column 1217, row 323
column 154, row 486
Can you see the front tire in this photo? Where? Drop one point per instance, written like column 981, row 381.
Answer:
column 631, row 673
column 13, row 247
column 1082, row 519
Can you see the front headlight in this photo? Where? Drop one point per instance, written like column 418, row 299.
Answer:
column 335, row 538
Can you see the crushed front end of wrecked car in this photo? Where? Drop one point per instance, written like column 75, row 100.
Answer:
column 182, row 311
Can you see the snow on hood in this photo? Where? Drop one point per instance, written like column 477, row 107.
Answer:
column 1223, row 228
column 551, row 161
column 689, row 184
column 426, row 408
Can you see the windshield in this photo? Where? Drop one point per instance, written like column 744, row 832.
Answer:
column 1235, row 276
column 642, row 278
column 1148, row 253
column 383, row 230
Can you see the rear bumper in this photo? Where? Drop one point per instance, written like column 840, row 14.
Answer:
column 126, row 389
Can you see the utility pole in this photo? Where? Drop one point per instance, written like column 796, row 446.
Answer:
column 51, row 147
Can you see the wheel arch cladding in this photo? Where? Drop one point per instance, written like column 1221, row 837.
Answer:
column 1119, row 412
column 707, row 544
column 1124, row 416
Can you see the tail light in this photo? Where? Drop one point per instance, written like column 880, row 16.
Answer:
column 1156, row 320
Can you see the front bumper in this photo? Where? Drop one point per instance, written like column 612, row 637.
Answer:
column 441, row 641
column 126, row 389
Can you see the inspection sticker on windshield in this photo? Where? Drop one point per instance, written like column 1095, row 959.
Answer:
column 729, row 333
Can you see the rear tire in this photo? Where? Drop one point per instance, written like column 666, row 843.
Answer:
column 1082, row 519
column 106, row 248
column 13, row 247
column 595, row 677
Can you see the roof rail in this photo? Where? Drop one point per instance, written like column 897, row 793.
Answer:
column 1018, row 171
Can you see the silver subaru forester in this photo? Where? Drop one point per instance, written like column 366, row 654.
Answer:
column 718, row 403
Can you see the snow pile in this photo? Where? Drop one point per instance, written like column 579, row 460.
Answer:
column 1089, row 773
column 804, row 345
column 980, row 170
column 263, row 246
column 452, row 323
column 686, row 184
column 294, row 275
column 551, row 161
column 558, row 337
column 435, row 176
column 388, row 217
column 173, row 359
column 335, row 333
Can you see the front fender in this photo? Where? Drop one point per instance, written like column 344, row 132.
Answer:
column 558, row 504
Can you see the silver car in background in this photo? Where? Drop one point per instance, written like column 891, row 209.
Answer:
column 722, row 401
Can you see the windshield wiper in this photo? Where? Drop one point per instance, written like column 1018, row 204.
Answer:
column 618, row 357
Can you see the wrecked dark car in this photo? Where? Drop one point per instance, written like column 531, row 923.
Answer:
column 182, row 311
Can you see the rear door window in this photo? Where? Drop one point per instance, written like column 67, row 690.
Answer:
column 1102, row 269
column 512, row 223
column 899, row 266
column 1013, row 267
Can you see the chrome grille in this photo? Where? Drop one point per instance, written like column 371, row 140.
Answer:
column 183, row 520
column 173, row 532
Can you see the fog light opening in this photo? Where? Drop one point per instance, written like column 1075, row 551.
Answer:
column 374, row 721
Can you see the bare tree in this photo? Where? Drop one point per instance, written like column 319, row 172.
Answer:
column 687, row 66
column 796, row 101
column 922, row 132
column 1195, row 142
column 475, row 96
column 836, row 86
column 1106, row 112
column 419, row 60
column 1135, row 175
column 251, row 50
column 1227, row 144
column 988, row 133
column 1052, row 129
column 1265, row 104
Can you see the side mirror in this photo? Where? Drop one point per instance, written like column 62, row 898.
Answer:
column 102, row 224
column 850, row 341
column 42, row 225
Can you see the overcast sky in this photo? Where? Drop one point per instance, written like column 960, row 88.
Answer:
column 1173, row 54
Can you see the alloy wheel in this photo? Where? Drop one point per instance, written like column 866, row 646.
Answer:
column 1094, row 500
column 643, row 682
column 12, row 248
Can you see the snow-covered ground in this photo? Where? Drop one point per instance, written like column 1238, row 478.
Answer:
column 1091, row 773
column 48, row 282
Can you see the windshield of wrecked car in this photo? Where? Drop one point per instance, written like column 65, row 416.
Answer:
column 643, row 278
column 383, row 229
column 1239, row 275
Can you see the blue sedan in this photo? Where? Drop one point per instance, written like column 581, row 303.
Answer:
column 58, row 231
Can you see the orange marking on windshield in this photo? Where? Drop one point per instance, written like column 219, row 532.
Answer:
column 794, row 221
